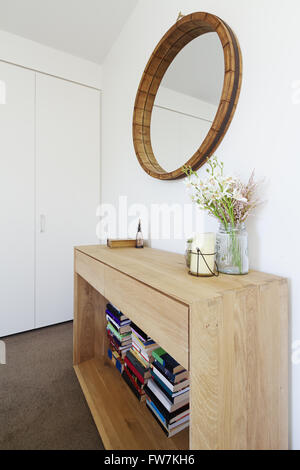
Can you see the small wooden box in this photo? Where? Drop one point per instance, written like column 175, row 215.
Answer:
column 121, row 243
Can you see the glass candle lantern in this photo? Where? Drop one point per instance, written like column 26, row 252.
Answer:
column 202, row 255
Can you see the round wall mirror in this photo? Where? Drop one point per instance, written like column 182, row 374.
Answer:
column 187, row 96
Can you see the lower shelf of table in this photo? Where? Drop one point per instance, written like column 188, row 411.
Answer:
column 123, row 423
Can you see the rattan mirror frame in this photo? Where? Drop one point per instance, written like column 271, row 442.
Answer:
column 178, row 36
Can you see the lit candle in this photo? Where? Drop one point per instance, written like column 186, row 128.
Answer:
column 206, row 243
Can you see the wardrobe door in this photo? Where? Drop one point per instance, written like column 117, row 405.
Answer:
column 68, row 189
column 17, row 91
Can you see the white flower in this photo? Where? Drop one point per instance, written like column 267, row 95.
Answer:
column 239, row 197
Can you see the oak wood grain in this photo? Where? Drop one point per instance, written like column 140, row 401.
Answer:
column 148, row 308
column 239, row 366
column 123, row 422
column 232, row 331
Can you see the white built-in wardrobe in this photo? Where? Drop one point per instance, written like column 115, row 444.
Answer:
column 49, row 192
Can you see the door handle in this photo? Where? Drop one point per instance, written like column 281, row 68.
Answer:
column 42, row 223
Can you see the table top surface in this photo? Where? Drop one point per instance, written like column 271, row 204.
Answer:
column 167, row 272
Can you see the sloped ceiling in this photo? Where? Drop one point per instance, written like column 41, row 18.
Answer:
column 84, row 28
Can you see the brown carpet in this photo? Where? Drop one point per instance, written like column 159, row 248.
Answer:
column 41, row 403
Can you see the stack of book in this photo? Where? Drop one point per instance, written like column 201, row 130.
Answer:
column 142, row 346
column 119, row 336
column 168, row 393
column 137, row 362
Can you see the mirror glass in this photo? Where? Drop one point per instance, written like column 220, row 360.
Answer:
column 187, row 101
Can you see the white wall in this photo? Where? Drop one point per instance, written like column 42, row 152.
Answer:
column 184, row 103
column 263, row 135
column 179, row 124
column 24, row 52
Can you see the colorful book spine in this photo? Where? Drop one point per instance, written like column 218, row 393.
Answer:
column 166, row 389
column 140, row 333
column 111, row 308
column 125, row 345
column 174, row 379
column 134, row 370
column 170, row 416
column 149, row 371
column 182, row 396
column 157, row 354
column 165, row 372
column 113, row 317
column 144, row 371
column 167, row 396
column 140, row 397
column 114, row 346
column 116, row 319
column 134, row 381
column 161, row 416
column 115, row 360
column 167, row 361
column 120, row 329
column 171, row 388
column 139, row 357
column 121, row 337
column 144, row 353
column 170, row 430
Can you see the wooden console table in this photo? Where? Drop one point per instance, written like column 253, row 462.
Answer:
column 231, row 332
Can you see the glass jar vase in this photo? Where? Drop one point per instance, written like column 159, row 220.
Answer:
column 188, row 252
column 232, row 249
